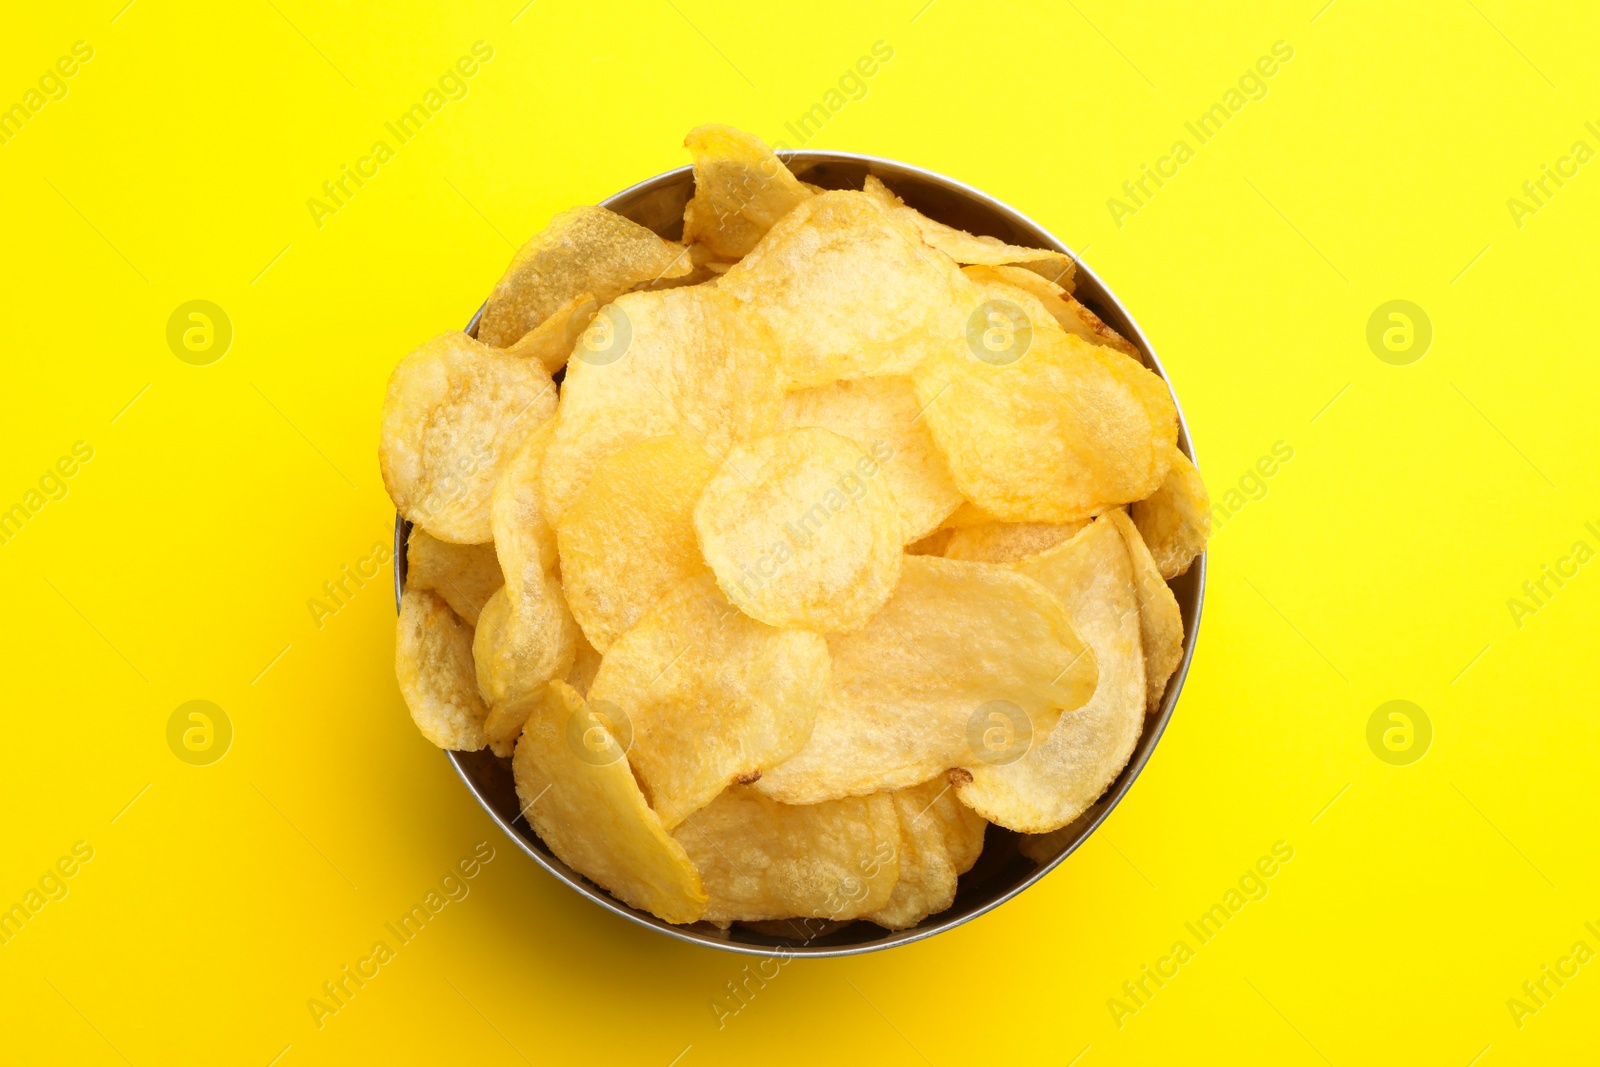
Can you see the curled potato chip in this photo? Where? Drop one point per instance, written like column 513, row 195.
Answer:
column 1073, row 316
column 465, row 575
column 1007, row 542
column 584, row 250
column 433, row 662
column 878, row 414
column 957, row 642
column 454, row 413
column 1039, row 425
column 960, row 245
column 740, row 190
column 714, row 697
column 1067, row 769
column 688, row 361
column 582, row 800
column 940, row 839
column 1175, row 520
column 849, row 292
column 523, row 540
column 525, row 638
column 801, row 529
column 628, row 537
column 1160, row 621
column 760, row 859
column 551, row 341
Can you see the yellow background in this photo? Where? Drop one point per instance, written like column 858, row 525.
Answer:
column 1378, row 565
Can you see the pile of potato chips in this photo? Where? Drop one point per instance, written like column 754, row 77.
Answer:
column 844, row 534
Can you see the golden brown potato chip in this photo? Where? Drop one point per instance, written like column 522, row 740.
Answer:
column 1067, row 769
column 1073, row 316
column 1160, row 622
column 454, row 413
column 802, row 530
column 465, row 575
column 688, row 361
column 1176, row 519
column 1038, row 425
column 849, row 292
column 584, row 250
column 932, row 545
column 914, row 689
column 940, row 839
column 960, row 245
column 714, row 697
column 585, row 665
column 525, row 638
column 580, row 797
column 740, row 190
column 551, row 341
column 1007, row 542
column 760, row 859
column 628, row 537
column 433, row 662
column 883, row 414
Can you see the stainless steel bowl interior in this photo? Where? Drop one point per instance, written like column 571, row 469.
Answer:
column 1002, row 871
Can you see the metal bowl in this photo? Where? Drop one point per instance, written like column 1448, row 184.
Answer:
column 1002, row 871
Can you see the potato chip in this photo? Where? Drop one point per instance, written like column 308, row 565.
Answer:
column 1175, row 520
column 580, row 797
column 968, row 514
column 960, row 245
column 848, row 292
column 525, row 638
column 1038, row 425
column 1073, row 316
column 585, row 665
column 688, row 361
column 802, row 530
column 940, row 839
column 957, row 642
column 1007, row 542
column 628, row 537
column 454, row 413
column 932, row 545
column 523, row 540
column 760, row 859
column 1160, row 622
column 584, row 250
column 433, row 662
column 465, row 575
column 1067, row 769
column 552, row 340
column 1042, row 848
column 740, row 190
column 883, row 413
column 714, row 697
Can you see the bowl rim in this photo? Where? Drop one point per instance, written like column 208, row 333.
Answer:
column 1154, row 727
